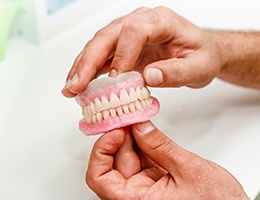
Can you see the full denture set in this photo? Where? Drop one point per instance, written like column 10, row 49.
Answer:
column 110, row 103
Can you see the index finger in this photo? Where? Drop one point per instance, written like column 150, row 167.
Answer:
column 94, row 55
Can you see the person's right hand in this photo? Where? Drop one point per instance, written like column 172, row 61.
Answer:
column 143, row 163
column 168, row 49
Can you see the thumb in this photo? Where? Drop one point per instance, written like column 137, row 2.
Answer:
column 177, row 72
column 158, row 147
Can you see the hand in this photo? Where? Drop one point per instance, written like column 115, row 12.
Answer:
column 148, row 165
column 168, row 49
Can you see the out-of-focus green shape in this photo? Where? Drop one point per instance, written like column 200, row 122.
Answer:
column 8, row 11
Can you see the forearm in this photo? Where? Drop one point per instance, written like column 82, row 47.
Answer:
column 239, row 56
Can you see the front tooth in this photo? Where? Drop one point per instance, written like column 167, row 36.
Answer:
column 98, row 104
column 125, row 109
column 105, row 114
column 105, row 103
column 124, row 97
column 119, row 110
column 112, row 112
column 132, row 94
column 114, row 100
column 145, row 93
column 138, row 105
column 132, row 107
column 92, row 108
column 139, row 93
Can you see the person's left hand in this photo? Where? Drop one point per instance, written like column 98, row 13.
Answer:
column 142, row 163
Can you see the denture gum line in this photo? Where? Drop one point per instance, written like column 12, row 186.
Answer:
column 124, row 102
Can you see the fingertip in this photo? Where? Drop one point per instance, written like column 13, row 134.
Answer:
column 153, row 76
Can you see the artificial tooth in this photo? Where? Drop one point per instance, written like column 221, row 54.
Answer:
column 114, row 100
column 92, row 108
column 105, row 103
column 125, row 109
column 98, row 104
column 94, row 119
column 119, row 110
column 105, row 114
column 88, row 119
column 145, row 92
column 148, row 101
column 124, row 97
column 133, row 95
column 132, row 107
column 99, row 116
column 139, row 93
column 143, row 103
column 112, row 112
column 138, row 105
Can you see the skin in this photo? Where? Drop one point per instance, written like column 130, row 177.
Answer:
column 154, row 167
column 170, row 51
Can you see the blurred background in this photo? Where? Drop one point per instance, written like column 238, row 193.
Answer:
column 43, row 155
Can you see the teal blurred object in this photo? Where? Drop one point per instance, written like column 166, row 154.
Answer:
column 53, row 5
column 7, row 13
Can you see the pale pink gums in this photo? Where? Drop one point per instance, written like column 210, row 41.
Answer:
column 110, row 103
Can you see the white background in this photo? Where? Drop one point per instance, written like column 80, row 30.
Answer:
column 43, row 155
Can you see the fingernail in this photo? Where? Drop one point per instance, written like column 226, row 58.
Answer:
column 145, row 127
column 113, row 73
column 154, row 77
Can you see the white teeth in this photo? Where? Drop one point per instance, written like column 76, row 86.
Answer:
column 139, row 93
column 101, row 109
column 98, row 104
column 92, row 108
column 99, row 117
column 94, row 118
column 105, row 103
column 105, row 114
column 138, row 105
column 114, row 100
column 112, row 112
column 124, row 97
column 132, row 107
column 133, row 95
column 119, row 111
column 125, row 109
column 145, row 93
column 88, row 119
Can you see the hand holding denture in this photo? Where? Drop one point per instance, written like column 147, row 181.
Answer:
column 166, row 48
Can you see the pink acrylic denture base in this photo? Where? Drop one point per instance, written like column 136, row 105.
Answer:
column 101, row 88
column 120, row 121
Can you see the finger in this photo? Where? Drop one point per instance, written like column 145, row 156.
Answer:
column 100, row 175
column 161, row 149
column 126, row 159
column 176, row 72
column 94, row 55
column 144, row 28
